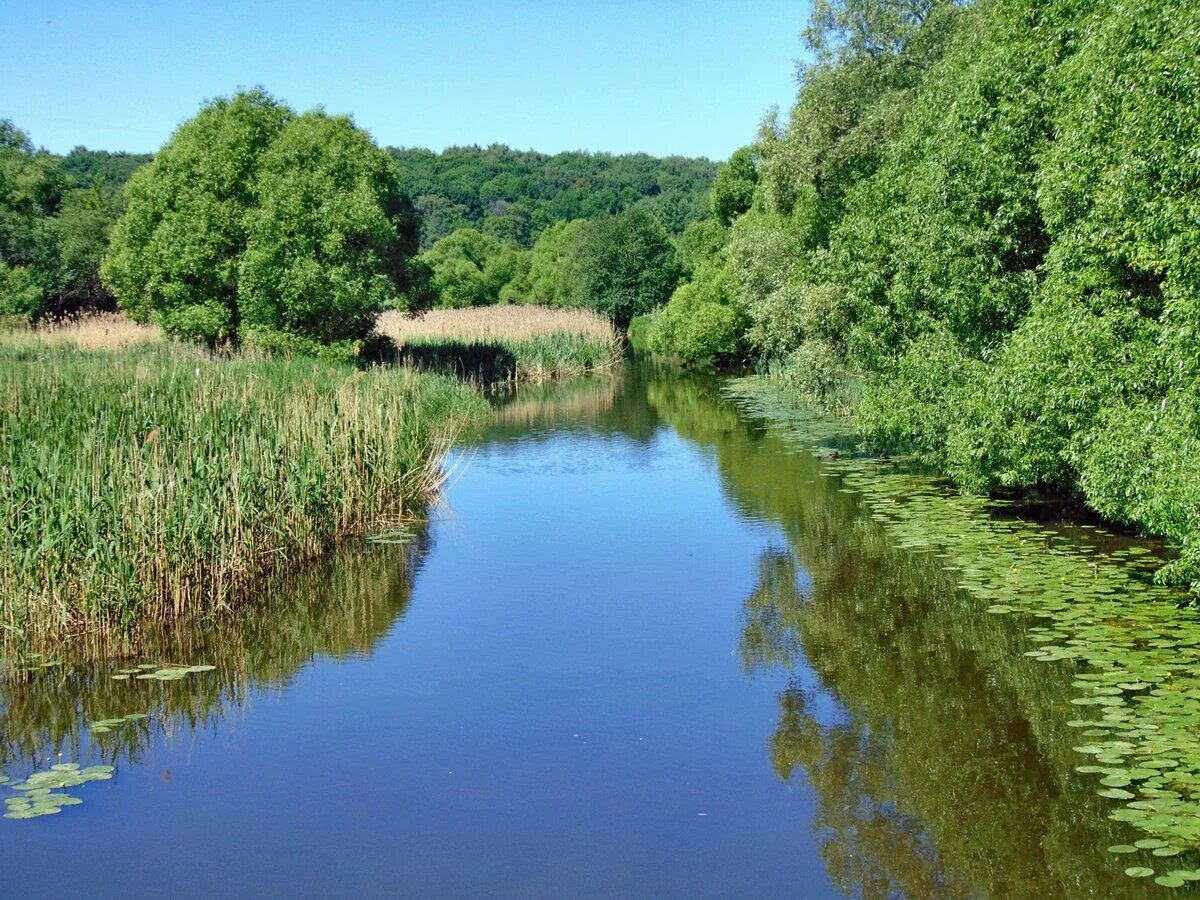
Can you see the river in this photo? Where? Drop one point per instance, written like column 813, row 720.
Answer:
column 647, row 646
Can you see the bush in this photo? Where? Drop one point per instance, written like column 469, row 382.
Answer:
column 701, row 324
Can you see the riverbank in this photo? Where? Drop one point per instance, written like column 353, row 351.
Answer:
column 152, row 481
column 505, row 343
column 1084, row 601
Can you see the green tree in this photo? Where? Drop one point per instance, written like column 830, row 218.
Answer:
column 554, row 264
column 469, row 268
column 733, row 188
column 175, row 253
column 31, row 189
column 627, row 266
column 82, row 228
column 327, row 237
column 254, row 223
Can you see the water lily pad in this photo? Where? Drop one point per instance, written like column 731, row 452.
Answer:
column 1122, row 848
column 1139, row 872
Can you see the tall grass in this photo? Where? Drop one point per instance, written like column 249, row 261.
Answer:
column 161, row 481
column 505, row 343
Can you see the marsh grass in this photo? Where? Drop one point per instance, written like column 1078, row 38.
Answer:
column 158, row 481
column 101, row 331
column 505, row 343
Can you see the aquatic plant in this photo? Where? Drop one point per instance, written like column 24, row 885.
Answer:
column 1126, row 648
column 40, row 794
column 505, row 343
column 160, row 481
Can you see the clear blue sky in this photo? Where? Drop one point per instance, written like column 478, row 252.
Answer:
column 662, row 77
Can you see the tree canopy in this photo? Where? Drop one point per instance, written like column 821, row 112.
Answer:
column 516, row 194
column 253, row 221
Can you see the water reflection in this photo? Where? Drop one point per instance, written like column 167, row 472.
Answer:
column 937, row 753
column 337, row 609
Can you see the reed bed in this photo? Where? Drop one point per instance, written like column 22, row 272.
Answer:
column 160, row 481
column 505, row 343
column 99, row 331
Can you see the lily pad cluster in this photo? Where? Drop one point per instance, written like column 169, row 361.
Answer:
column 41, row 794
column 1133, row 654
column 156, row 672
column 36, row 662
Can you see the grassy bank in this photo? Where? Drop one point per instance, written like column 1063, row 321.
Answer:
column 148, row 482
column 505, row 343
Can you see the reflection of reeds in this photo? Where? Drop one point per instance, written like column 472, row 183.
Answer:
column 159, row 481
column 577, row 401
column 505, row 343
column 338, row 608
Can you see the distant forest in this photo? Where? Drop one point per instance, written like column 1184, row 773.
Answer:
column 515, row 195
column 57, row 212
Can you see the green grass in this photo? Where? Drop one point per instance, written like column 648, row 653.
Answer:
column 158, row 482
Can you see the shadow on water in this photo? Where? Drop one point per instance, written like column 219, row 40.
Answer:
column 945, row 767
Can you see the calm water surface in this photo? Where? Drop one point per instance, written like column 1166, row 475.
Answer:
column 643, row 649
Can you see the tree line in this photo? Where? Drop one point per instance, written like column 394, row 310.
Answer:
column 977, row 230
column 487, row 206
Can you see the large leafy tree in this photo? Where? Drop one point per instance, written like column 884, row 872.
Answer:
column 627, row 266
column 175, row 253
column 328, row 235
column 253, row 222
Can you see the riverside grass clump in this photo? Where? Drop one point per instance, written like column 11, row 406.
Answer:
column 162, row 481
column 505, row 343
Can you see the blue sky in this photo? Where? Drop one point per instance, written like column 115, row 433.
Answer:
column 662, row 77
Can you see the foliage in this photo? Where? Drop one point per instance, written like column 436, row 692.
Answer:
column 175, row 253
column 87, row 168
column 324, row 269
column 31, row 188
column 253, row 220
column 733, row 188
column 160, row 480
column 553, row 276
column 701, row 323
column 700, row 240
column 468, row 268
column 626, row 266
column 987, row 214
column 515, row 195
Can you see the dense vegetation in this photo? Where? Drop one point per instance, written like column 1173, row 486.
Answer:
column 498, row 344
column 158, row 481
column 978, row 231
column 257, row 225
column 497, row 225
column 55, row 220
column 515, row 195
